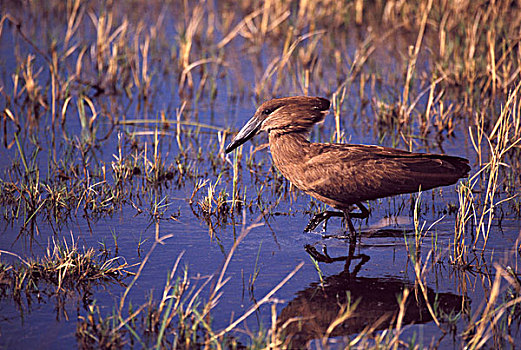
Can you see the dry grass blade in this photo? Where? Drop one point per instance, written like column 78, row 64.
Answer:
column 262, row 301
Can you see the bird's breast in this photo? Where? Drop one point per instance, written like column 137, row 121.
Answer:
column 290, row 154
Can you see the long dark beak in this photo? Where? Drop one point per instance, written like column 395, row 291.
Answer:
column 249, row 130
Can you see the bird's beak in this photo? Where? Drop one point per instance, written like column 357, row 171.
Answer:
column 249, row 130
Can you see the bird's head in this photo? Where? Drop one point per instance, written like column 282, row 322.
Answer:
column 283, row 115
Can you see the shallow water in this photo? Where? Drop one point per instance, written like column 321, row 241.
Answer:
column 271, row 251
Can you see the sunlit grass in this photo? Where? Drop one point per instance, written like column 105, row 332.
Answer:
column 64, row 268
column 87, row 76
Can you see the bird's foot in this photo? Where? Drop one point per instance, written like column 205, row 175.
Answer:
column 314, row 222
column 321, row 217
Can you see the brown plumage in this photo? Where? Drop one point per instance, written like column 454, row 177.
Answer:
column 342, row 175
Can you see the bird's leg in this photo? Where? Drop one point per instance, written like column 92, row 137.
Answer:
column 347, row 220
column 363, row 214
column 318, row 218
column 326, row 215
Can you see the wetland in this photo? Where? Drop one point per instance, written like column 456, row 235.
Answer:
column 125, row 224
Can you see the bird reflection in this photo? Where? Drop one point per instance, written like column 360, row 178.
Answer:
column 309, row 315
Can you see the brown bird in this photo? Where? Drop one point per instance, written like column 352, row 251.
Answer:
column 342, row 175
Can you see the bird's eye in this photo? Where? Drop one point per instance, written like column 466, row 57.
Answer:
column 267, row 111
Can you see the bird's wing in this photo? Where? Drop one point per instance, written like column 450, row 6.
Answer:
column 354, row 173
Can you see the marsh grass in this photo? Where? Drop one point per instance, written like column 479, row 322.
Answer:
column 74, row 185
column 182, row 317
column 87, row 80
column 63, row 271
column 480, row 214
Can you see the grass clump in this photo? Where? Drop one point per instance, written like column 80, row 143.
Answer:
column 182, row 317
column 64, row 268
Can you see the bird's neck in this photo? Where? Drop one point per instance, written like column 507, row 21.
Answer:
column 289, row 152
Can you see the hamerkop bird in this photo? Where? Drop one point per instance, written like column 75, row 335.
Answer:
column 342, row 175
